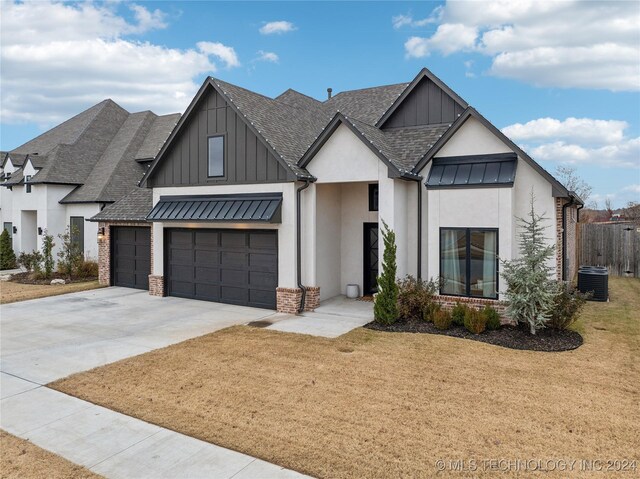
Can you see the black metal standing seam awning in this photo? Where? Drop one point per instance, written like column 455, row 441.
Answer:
column 497, row 170
column 261, row 207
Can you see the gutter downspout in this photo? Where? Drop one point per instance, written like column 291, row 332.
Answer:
column 564, row 236
column 419, row 183
column 306, row 184
column 578, row 213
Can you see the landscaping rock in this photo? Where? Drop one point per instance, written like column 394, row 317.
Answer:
column 58, row 281
column 5, row 277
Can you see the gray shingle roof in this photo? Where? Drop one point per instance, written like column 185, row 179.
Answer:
column 299, row 100
column 368, row 104
column 97, row 150
column 134, row 206
column 410, row 144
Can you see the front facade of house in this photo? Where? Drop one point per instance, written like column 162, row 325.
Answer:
column 68, row 174
column 278, row 203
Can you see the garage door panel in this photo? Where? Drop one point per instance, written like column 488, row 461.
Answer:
column 233, row 277
column 263, row 241
column 131, row 256
column 207, row 275
column 205, row 256
column 231, row 259
column 230, row 266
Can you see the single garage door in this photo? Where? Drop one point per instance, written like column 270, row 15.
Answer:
column 131, row 256
column 226, row 266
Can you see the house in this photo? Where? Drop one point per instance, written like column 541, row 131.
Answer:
column 278, row 202
column 69, row 173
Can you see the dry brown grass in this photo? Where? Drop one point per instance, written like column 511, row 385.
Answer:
column 11, row 292
column 20, row 459
column 372, row 404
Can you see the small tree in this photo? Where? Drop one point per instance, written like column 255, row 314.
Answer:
column 385, row 309
column 530, row 290
column 70, row 254
column 7, row 255
column 47, row 253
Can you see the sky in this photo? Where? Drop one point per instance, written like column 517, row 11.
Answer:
column 561, row 79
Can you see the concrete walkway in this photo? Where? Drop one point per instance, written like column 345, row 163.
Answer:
column 334, row 317
column 49, row 338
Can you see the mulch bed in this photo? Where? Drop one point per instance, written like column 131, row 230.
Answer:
column 26, row 278
column 513, row 337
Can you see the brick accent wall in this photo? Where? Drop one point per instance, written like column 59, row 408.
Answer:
column 288, row 299
column 104, row 249
column 448, row 302
column 559, row 252
column 156, row 285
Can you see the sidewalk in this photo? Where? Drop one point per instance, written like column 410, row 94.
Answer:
column 115, row 445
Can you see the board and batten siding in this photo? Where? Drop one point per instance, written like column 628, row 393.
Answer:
column 247, row 158
column 427, row 104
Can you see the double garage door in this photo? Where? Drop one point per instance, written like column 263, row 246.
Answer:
column 227, row 266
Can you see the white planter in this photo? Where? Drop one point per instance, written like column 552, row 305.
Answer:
column 353, row 291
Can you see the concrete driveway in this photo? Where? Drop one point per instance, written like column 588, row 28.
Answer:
column 47, row 339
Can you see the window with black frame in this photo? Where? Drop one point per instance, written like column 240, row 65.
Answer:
column 469, row 262
column 215, row 166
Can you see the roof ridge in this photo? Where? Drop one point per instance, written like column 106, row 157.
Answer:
column 299, row 93
column 366, row 88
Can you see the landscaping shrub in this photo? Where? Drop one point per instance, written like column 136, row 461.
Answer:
column 442, row 319
column 415, row 296
column 47, row 254
column 32, row 262
column 385, row 308
column 567, row 304
column 530, row 289
column 86, row 269
column 429, row 311
column 475, row 321
column 492, row 318
column 458, row 313
column 70, row 254
column 7, row 255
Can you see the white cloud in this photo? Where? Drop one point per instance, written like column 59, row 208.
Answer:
column 268, row 56
column 278, row 27
column 225, row 53
column 578, row 141
column 568, row 44
column 572, row 129
column 58, row 59
column 632, row 188
column 400, row 21
column 625, row 154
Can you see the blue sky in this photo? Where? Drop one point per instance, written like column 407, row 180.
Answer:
column 562, row 80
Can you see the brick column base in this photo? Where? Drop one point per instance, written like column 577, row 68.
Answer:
column 448, row 302
column 288, row 299
column 156, row 285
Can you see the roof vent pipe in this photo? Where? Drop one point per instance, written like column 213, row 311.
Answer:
column 329, row 90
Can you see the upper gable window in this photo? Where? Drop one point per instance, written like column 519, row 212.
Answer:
column 27, row 179
column 216, row 156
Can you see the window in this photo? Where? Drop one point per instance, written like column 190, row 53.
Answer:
column 8, row 227
column 469, row 262
column 76, row 224
column 27, row 179
column 373, row 197
column 216, row 156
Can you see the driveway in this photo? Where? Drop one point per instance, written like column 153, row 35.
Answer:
column 46, row 339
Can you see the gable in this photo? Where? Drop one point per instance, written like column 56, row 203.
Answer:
column 426, row 104
column 473, row 138
column 344, row 157
column 247, row 158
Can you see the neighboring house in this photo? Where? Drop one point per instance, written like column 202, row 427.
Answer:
column 68, row 174
column 278, row 202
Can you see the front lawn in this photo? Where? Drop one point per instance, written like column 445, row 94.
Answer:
column 21, row 459
column 11, row 292
column 375, row 404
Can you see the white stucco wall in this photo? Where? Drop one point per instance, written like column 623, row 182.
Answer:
column 328, row 243
column 482, row 207
column 286, row 230
column 87, row 210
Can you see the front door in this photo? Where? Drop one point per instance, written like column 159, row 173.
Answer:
column 370, row 280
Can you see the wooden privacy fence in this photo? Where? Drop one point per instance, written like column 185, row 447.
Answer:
column 614, row 245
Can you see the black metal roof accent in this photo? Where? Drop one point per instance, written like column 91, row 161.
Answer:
column 262, row 207
column 475, row 171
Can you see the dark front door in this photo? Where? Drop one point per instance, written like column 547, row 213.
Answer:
column 226, row 266
column 370, row 281
column 130, row 256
